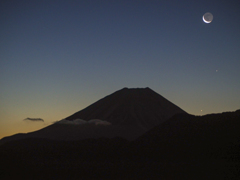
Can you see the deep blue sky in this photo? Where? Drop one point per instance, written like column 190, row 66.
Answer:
column 57, row 57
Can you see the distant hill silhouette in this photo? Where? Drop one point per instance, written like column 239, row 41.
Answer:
column 187, row 136
column 183, row 147
column 129, row 113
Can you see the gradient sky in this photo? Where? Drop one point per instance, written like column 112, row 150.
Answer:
column 59, row 56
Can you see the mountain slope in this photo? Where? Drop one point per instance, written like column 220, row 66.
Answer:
column 140, row 106
column 183, row 147
column 127, row 113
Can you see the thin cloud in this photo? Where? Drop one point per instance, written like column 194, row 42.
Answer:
column 99, row 122
column 34, row 119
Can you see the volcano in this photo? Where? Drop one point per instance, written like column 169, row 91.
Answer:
column 127, row 113
column 130, row 134
column 136, row 106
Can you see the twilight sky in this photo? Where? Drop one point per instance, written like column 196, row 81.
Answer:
column 59, row 56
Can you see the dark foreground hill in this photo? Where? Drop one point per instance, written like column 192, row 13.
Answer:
column 183, row 147
column 191, row 137
column 127, row 113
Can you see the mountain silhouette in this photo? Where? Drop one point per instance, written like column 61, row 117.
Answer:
column 130, row 106
column 183, row 147
column 127, row 113
column 189, row 137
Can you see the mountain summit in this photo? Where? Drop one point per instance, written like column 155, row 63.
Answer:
column 127, row 113
column 130, row 106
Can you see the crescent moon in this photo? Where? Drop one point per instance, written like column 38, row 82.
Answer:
column 207, row 17
column 205, row 20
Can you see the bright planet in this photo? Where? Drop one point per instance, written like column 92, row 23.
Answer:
column 207, row 17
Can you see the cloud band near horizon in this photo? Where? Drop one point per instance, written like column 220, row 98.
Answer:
column 34, row 119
